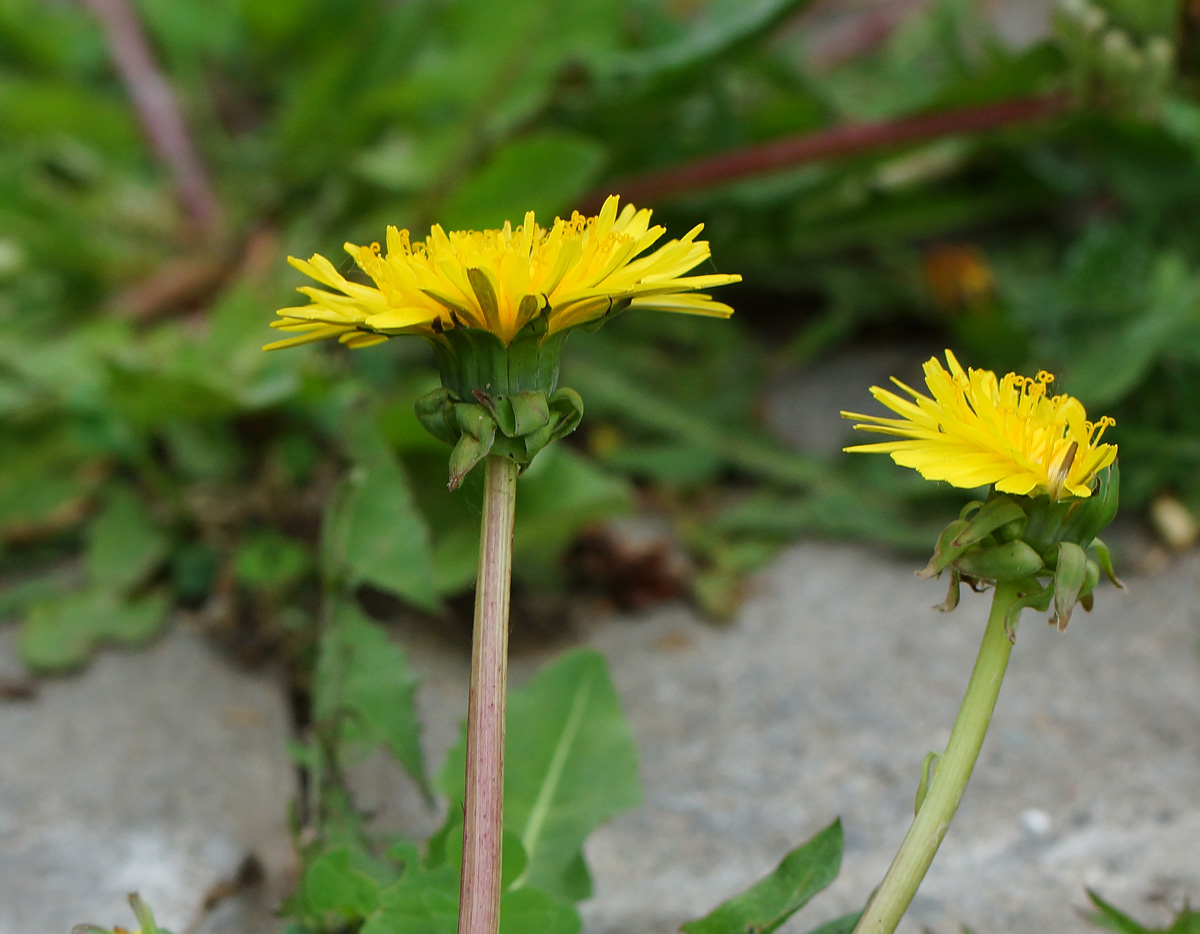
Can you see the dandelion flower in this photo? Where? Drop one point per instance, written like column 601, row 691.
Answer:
column 978, row 430
column 573, row 273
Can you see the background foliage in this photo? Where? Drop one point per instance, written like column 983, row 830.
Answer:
column 145, row 431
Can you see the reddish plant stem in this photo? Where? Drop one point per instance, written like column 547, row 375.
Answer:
column 483, row 807
column 850, row 139
column 158, row 110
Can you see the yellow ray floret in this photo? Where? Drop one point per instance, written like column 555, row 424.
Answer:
column 978, row 430
column 573, row 273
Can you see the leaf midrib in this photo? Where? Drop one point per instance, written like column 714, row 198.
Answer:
column 546, row 792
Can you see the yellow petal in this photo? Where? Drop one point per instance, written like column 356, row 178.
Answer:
column 976, row 430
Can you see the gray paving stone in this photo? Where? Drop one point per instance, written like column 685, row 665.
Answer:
column 156, row 772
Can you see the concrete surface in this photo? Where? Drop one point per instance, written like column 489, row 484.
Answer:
column 157, row 772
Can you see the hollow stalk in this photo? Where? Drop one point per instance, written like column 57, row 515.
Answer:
column 912, row 860
column 483, row 810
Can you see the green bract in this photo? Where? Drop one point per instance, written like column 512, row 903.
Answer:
column 497, row 398
column 1048, row 549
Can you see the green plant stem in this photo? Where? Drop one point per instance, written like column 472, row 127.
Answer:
column 891, row 899
column 483, row 809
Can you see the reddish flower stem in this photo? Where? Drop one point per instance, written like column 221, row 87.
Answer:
column 158, row 110
column 483, row 808
column 838, row 142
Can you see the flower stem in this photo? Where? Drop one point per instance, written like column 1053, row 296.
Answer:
column 483, row 809
column 891, row 899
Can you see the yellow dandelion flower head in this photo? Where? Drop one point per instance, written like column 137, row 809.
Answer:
column 572, row 273
column 978, row 430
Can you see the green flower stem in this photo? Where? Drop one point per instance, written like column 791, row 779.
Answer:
column 891, row 899
column 483, row 810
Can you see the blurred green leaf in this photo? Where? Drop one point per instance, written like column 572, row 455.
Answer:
column 526, row 911
column 1147, row 19
column 918, row 60
column 850, row 509
column 613, row 392
column 147, row 395
column 43, row 476
column 359, row 77
column 543, row 172
column 38, row 38
column 46, row 109
column 843, row 925
column 70, row 371
column 501, row 58
column 1111, row 919
column 231, row 351
column 571, row 766
column 124, row 543
column 364, row 685
column 419, row 902
column 726, row 26
column 332, row 884
column 560, row 494
column 1105, row 370
column 271, row 561
column 765, row 906
column 1181, row 118
column 426, row 902
column 203, row 450
column 672, row 465
column 374, row 533
column 193, row 567
column 16, row 598
column 61, row 632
